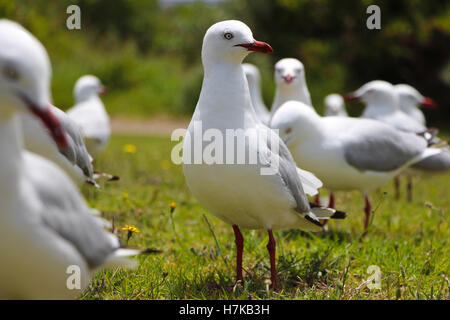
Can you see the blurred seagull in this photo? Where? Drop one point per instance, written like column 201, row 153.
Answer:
column 411, row 100
column 90, row 114
column 334, row 106
column 348, row 153
column 254, row 85
column 290, row 83
column 42, row 241
column 383, row 101
column 74, row 159
column 240, row 194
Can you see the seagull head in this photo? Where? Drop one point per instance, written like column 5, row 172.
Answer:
column 289, row 71
column 334, row 104
column 409, row 96
column 232, row 41
column 25, row 73
column 88, row 86
column 295, row 122
column 375, row 93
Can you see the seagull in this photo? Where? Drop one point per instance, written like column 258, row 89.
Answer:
column 90, row 114
column 238, row 192
column 383, row 103
column 74, row 159
column 348, row 153
column 411, row 100
column 334, row 106
column 42, row 240
column 254, row 85
column 291, row 83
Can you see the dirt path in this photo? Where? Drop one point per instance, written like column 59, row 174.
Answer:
column 158, row 125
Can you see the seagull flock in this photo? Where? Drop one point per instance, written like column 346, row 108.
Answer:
column 48, row 154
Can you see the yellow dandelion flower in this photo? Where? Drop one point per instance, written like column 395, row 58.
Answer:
column 129, row 148
column 172, row 205
column 165, row 165
column 125, row 195
column 130, row 228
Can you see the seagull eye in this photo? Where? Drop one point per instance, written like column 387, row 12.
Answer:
column 10, row 73
column 228, row 36
column 288, row 130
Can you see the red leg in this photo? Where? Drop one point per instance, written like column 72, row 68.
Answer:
column 271, row 246
column 239, row 239
column 410, row 189
column 367, row 211
column 317, row 199
column 331, row 202
column 397, row 187
column 330, row 205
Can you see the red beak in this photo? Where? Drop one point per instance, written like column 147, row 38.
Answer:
column 50, row 121
column 288, row 78
column 350, row 97
column 53, row 124
column 428, row 103
column 103, row 90
column 257, row 46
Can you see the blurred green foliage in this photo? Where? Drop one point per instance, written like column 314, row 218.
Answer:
column 149, row 54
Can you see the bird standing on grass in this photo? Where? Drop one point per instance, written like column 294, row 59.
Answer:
column 90, row 113
column 238, row 193
column 348, row 153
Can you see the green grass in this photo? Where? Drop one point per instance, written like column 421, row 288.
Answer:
column 407, row 241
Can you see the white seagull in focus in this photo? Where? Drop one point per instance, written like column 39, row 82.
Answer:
column 238, row 193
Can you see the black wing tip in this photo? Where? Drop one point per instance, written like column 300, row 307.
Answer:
column 317, row 223
column 142, row 250
column 151, row 251
column 339, row 215
column 114, row 178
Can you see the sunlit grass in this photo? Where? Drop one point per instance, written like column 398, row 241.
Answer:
column 407, row 241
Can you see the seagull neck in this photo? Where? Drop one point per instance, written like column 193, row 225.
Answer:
column 11, row 146
column 82, row 97
column 226, row 95
column 376, row 109
column 285, row 93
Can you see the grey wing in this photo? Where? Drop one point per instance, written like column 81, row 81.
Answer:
column 375, row 146
column 66, row 213
column 76, row 151
column 83, row 232
column 287, row 170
